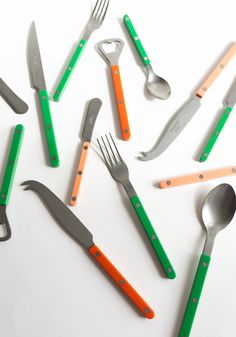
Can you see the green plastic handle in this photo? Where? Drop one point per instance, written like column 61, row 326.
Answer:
column 48, row 127
column 136, row 40
column 69, row 70
column 194, row 296
column 11, row 164
column 215, row 134
column 153, row 238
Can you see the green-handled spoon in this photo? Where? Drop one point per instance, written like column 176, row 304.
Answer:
column 155, row 85
column 217, row 212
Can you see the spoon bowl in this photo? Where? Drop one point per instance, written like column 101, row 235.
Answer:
column 156, row 85
column 219, row 208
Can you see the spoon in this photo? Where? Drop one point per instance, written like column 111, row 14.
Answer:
column 217, row 212
column 155, row 85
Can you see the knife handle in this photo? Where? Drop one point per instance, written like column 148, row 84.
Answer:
column 134, row 36
column 79, row 173
column 120, row 100
column 122, row 283
column 194, row 296
column 215, row 134
column 153, row 238
column 197, row 177
column 12, row 99
column 11, row 164
column 48, row 127
column 216, row 71
column 69, row 70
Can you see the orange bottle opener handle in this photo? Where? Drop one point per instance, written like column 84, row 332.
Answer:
column 79, row 173
column 198, row 177
column 124, row 123
column 216, row 71
column 119, row 279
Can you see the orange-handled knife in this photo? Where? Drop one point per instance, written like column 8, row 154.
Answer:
column 197, row 177
column 93, row 110
column 75, row 228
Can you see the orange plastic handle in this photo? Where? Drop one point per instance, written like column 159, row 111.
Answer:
column 124, row 122
column 216, row 71
column 198, row 177
column 79, row 173
column 124, row 285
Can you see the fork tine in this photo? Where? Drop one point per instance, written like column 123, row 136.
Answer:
column 118, row 153
column 113, row 153
column 103, row 11
column 97, row 4
column 103, row 154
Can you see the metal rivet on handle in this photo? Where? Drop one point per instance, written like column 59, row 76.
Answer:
column 204, row 88
column 116, row 72
column 234, row 170
column 126, row 130
column 194, row 300
column 201, row 176
column 145, row 58
column 136, row 38
column 81, row 45
column 11, row 162
column 85, row 147
column 80, row 173
column 58, row 92
column 54, row 157
column 204, row 264
column 69, row 68
column 120, row 101
column 138, row 205
column 44, row 97
column 222, row 65
column 153, row 237
column 4, row 196
column 146, row 310
column 48, row 126
column 18, row 131
column 122, row 281
column 168, row 182
column 73, row 198
column 97, row 254
column 169, row 270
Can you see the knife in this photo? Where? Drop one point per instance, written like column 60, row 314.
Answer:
column 15, row 102
column 74, row 227
column 186, row 111
column 229, row 104
column 39, row 84
column 93, row 110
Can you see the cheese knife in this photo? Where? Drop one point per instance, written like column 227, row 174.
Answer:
column 187, row 111
column 38, row 82
column 229, row 104
column 75, row 228
column 93, row 110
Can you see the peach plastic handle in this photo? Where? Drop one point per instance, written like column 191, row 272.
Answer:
column 124, row 123
column 124, row 285
column 216, row 71
column 79, row 173
column 198, row 177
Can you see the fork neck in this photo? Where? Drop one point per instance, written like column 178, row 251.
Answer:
column 129, row 189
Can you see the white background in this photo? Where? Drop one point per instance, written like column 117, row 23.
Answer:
column 49, row 286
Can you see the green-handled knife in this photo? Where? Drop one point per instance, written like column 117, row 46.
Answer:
column 229, row 103
column 38, row 82
column 95, row 21
column 5, row 231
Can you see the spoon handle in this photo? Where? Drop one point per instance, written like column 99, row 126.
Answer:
column 194, row 296
column 134, row 36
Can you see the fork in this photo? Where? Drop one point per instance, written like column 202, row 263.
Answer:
column 95, row 21
column 119, row 172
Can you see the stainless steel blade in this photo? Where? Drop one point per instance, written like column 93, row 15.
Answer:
column 173, row 128
column 36, row 67
column 93, row 110
column 231, row 97
column 68, row 221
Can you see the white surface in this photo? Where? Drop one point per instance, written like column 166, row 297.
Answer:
column 49, row 286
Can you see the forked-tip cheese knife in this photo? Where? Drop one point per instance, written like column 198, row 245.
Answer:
column 5, row 230
column 229, row 103
column 187, row 111
column 75, row 228
column 93, row 110
column 38, row 82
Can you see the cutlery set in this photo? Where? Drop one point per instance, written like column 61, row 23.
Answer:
column 219, row 206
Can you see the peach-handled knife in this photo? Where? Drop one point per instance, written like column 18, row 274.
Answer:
column 93, row 110
column 75, row 228
column 229, row 103
column 198, row 177
column 178, row 122
column 112, row 57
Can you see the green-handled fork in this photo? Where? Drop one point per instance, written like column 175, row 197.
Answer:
column 119, row 171
column 95, row 21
